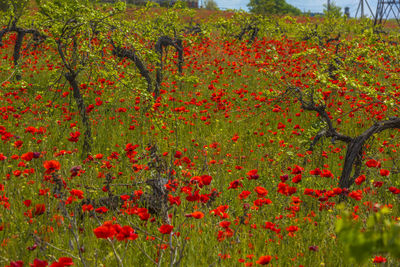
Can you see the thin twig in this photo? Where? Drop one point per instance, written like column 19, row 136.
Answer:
column 63, row 251
column 144, row 252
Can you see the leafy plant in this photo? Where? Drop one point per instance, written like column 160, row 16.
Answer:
column 361, row 241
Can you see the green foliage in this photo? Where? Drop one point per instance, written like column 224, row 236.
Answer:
column 211, row 5
column 3, row 5
column 272, row 7
column 333, row 10
column 12, row 10
column 78, row 22
column 16, row 7
column 378, row 236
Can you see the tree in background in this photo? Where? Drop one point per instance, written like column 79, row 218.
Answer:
column 275, row 7
column 210, row 5
column 333, row 10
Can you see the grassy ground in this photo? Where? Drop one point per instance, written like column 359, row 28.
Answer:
column 244, row 187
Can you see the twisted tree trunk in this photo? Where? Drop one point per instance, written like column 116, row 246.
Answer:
column 18, row 43
column 88, row 140
column 355, row 146
column 162, row 43
column 126, row 53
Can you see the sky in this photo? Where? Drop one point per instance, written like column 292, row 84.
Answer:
column 303, row 5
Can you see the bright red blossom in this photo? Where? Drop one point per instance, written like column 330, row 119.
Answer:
column 196, row 215
column 62, row 262
column 373, row 163
column 51, row 166
column 384, row 172
column 165, row 229
column 261, row 191
column 379, row 259
column 360, row 179
column 292, row 228
column 74, row 137
column 244, row 194
column 253, row 175
column 39, row 263
column 264, row 260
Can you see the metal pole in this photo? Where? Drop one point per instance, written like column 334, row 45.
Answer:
column 362, row 8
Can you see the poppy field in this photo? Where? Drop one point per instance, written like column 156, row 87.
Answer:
column 174, row 137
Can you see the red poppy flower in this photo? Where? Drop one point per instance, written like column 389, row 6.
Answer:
column 253, row 175
column 235, row 138
column 18, row 144
column 284, row 178
column 2, row 157
column 235, row 184
column 125, row 197
column 39, row 263
column 244, row 194
column 384, row 172
column 178, row 154
column 394, row 190
column 292, row 229
column 196, row 215
column 327, row 174
column 357, row 195
column 360, row 179
column 225, row 224
column 337, row 190
column 104, row 232
column 40, row 209
column 261, row 191
column 126, row 233
column 27, row 202
column 130, row 150
column 16, row 264
column 316, row 171
column 206, row 179
column 379, row 259
column 51, row 166
column 174, row 200
column 74, row 136
column 378, row 184
column 165, row 229
column 27, row 156
column 264, row 260
column 144, row 216
column 66, row 261
column 297, row 169
column 196, row 180
column 297, row 179
column 87, row 207
column 76, row 192
column 373, row 163
column 98, row 156
column 261, row 201
column 101, row 210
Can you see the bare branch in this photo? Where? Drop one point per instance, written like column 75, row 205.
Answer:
column 122, row 52
column 320, row 109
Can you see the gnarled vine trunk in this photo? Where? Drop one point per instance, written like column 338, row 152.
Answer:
column 162, row 43
column 18, row 42
column 87, row 142
column 355, row 146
